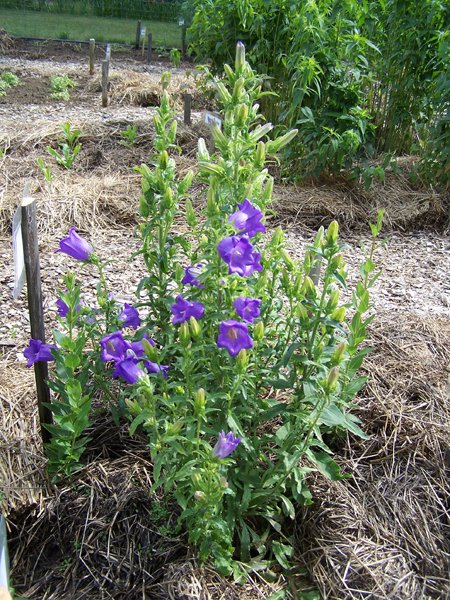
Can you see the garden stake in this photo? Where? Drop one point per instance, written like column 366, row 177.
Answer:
column 187, row 108
column 149, row 48
column 105, row 71
column 138, row 35
column 91, row 56
column 36, row 312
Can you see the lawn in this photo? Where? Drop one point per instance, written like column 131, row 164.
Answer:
column 74, row 27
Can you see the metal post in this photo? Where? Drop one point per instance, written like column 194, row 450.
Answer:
column 149, row 48
column 187, row 108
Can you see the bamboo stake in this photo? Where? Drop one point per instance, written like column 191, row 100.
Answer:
column 105, row 72
column 91, row 55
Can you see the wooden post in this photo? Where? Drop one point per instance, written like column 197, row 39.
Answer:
column 105, row 72
column 32, row 270
column 91, row 55
column 149, row 48
column 183, row 42
column 138, row 35
column 187, row 108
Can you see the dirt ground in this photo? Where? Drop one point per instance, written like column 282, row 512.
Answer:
column 382, row 533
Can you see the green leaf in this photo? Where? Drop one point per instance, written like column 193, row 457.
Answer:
column 282, row 553
column 141, row 417
column 288, row 507
column 333, row 417
column 326, row 465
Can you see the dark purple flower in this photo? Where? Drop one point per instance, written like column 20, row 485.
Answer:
column 234, row 336
column 75, row 246
column 239, row 255
column 226, row 444
column 128, row 370
column 37, row 351
column 182, row 310
column 191, row 275
column 114, row 347
column 247, row 308
column 155, row 368
column 247, row 219
column 63, row 309
column 129, row 317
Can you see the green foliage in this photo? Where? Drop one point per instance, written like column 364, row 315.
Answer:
column 60, row 86
column 356, row 78
column 45, row 169
column 69, row 147
column 129, row 135
column 175, row 57
column 7, row 80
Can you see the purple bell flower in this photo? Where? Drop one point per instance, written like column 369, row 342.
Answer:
column 247, row 308
column 114, row 347
column 239, row 255
column 138, row 348
column 128, row 370
column 63, row 309
column 155, row 368
column 191, row 275
column 37, row 351
column 234, row 336
column 247, row 219
column 183, row 310
column 129, row 317
column 226, row 444
column 75, row 246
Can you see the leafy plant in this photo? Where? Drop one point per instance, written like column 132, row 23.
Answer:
column 69, row 147
column 175, row 57
column 129, row 135
column 246, row 360
column 45, row 169
column 60, row 86
column 7, row 80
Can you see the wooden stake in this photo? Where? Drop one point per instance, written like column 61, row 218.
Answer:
column 105, row 72
column 33, row 275
column 91, row 55
column 187, row 108
column 149, row 48
column 138, row 35
column 183, row 42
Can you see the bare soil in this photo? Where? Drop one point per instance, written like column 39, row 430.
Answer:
column 382, row 533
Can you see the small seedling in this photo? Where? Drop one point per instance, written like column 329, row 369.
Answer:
column 61, row 86
column 175, row 57
column 7, row 80
column 46, row 170
column 129, row 136
column 69, row 147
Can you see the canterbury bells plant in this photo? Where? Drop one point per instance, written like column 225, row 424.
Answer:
column 237, row 360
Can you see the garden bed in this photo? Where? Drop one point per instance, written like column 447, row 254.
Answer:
column 378, row 534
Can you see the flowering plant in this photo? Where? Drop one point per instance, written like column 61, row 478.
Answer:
column 245, row 362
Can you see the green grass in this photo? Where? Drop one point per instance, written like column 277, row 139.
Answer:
column 74, row 27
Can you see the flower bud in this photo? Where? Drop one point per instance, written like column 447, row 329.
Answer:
column 144, row 209
column 186, row 182
column 150, row 351
column 301, row 311
column 260, row 155
column 276, row 145
column 163, row 160
column 338, row 314
column 179, row 390
column 260, row 131
column 174, row 428
column 159, row 128
column 339, row 352
column 333, row 377
column 337, row 262
column 212, row 168
column 318, row 240
column 200, row 496
column 242, row 360
column 240, row 57
column 202, row 151
column 258, row 331
column 237, row 90
column 219, row 139
column 199, row 401
column 211, row 205
column 333, row 300
column 191, row 217
column 308, row 286
column 195, row 328
column 172, row 133
column 133, row 407
column 167, row 199
column 185, row 337
column 287, row 260
column 262, row 281
column 241, row 115
column 332, row 232
column 224, row 94
column 196, row 478
column 277, row 236
column 228, row 71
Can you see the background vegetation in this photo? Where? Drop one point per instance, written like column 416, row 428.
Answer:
column 359, row 79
